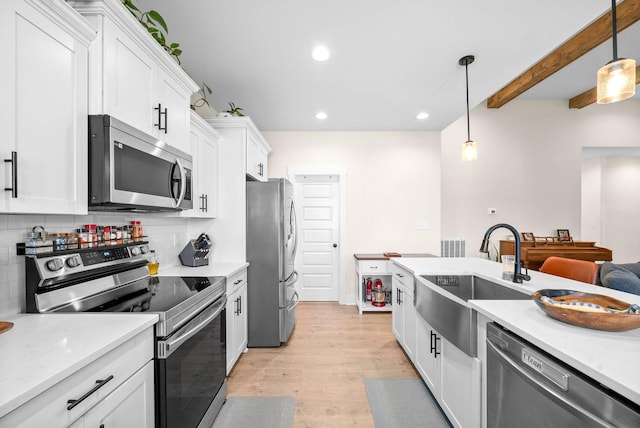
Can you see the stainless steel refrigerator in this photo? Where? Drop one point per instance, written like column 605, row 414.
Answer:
column 271, row 249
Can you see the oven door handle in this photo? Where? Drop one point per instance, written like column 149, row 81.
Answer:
column 167, row 347
column 548, row 390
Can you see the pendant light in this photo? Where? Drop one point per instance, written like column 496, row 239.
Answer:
column 469, row 149
column 617, row 79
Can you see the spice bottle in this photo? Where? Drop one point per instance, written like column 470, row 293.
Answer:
column 81, row 233
column 106, row 236
column 136, row 230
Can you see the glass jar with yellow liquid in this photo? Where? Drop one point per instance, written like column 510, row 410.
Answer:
column 153, row 263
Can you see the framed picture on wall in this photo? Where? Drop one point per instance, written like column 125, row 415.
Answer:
column 528, row 236
column 564, row 235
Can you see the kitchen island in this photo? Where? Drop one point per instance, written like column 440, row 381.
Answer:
column 610, row 358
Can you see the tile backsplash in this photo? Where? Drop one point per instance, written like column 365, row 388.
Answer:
column 166, row 234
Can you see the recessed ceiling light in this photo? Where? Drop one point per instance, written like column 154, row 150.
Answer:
column 320, row 53
column 321, row 115
column 422, row 115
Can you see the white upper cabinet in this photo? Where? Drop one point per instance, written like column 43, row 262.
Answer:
column 204, row 147
column 257, row 152
column 244, row 134
column 133, row 78
column 43, row 107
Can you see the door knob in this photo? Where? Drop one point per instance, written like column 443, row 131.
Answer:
column 335, row 245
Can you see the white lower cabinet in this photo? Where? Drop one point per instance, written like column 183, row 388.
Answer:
column 116, row 389
column 371, row 269
column 131, row 405
column 452, row 376
column 237, row 333
column 428, row 356
column 403, row 314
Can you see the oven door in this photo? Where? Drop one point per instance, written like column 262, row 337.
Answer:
column 191, row 371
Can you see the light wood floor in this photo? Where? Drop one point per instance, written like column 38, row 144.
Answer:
column 331, row 351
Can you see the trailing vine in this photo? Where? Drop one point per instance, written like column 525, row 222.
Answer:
column 156, row 26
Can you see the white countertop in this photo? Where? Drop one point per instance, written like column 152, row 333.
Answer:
column 41, row 350
column 213, row 269
column 611, row 358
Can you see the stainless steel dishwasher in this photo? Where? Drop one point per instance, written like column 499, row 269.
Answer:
column 526, row 387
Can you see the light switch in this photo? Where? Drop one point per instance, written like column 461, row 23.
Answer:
column 422, row 225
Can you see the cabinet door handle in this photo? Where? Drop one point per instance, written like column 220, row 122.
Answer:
column 160, row 114
column 206, row 203
column 14, row 175
column 434, row 345
column 99, row 384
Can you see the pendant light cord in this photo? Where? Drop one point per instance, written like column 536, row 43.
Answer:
column 466, row 69
column 614, row 27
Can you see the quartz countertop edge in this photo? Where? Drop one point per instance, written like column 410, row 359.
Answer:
column 43, row 349
column 607, row 357
column 213, row 269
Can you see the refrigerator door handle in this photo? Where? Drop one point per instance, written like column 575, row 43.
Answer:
column 293, row 227
column 294, row 301
column 293, row 278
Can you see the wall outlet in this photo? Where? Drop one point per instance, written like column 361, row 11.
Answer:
column 422, row 225
column 491, row 211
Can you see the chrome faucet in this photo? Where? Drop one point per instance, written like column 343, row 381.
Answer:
column 518, row 276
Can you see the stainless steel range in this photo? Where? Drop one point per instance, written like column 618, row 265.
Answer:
column 190, row 354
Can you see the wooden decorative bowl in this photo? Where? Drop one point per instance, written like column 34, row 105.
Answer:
column 5, row 326
column 561, row 308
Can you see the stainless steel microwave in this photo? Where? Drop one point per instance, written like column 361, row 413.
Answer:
column 130, row 170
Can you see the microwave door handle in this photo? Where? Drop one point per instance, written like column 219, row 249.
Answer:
column 183, row 182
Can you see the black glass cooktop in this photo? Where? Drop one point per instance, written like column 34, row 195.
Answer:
column 156, row 294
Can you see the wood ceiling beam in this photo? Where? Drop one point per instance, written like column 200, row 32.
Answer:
column 628, row 12
column 589, row 96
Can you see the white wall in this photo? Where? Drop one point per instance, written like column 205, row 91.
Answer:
column 166, row 234
column 528, row 167
column 393, row 181
column 621, row 207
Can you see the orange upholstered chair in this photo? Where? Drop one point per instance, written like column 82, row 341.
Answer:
column 580, row 270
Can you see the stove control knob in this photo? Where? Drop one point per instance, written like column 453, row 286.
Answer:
column 134, row 251
column 55, row 264
column 73, row 261
column 144, row 249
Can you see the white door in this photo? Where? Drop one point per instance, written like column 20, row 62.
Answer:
column 317, row 261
